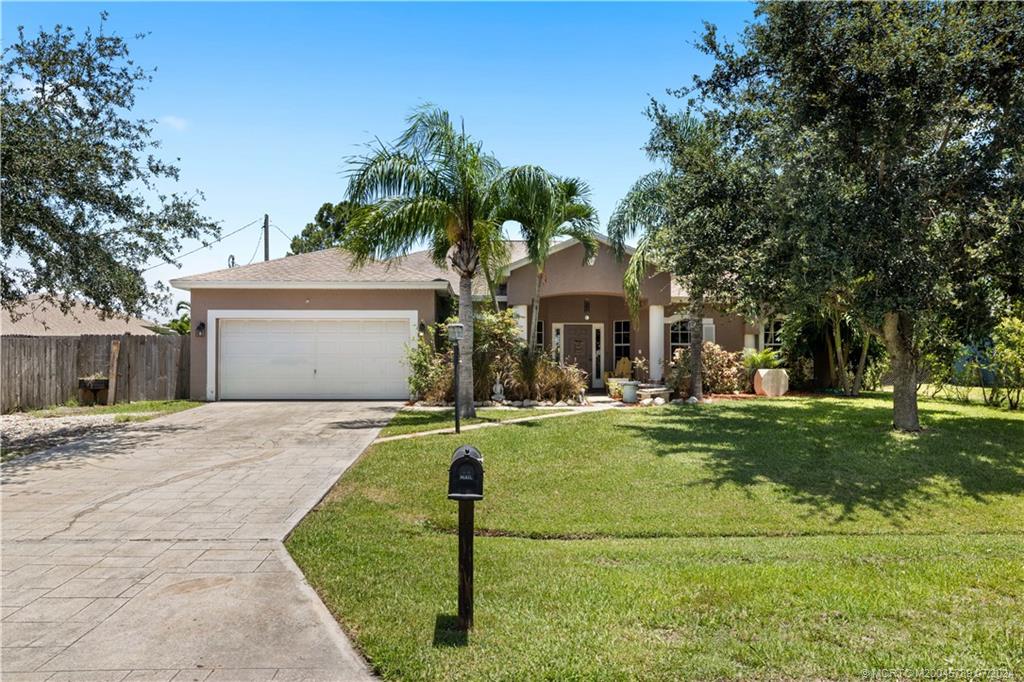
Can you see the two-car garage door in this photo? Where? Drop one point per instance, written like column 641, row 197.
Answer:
column 312, row 358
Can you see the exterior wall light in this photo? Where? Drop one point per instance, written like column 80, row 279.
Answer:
column 586, row 309
column 201, row 329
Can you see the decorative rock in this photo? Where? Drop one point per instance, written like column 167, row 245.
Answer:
column 678, row 401
column 561, row 403
column 692, row 400
column 771, row 382
column 647, row 402
column 548, row 403
column 659, row 401
column 517, row 403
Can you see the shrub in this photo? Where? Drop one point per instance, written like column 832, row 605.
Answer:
column 614, row 388
column 801, row 373
column 496, row 350
column 559, row 382
column 540, row 377
column 498, row 354
column 430, row 371
column 1008, row 358
column 721, row 371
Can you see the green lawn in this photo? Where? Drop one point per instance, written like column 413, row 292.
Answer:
column 795, row 538
column 414, row 421
column 150, row 407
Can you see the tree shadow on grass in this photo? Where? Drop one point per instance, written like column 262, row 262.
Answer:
column 829, row 454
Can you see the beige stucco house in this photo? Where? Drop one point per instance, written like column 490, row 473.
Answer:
column 313, row 326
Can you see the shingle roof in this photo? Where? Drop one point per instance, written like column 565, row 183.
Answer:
column 35, row 317
column 335, row 267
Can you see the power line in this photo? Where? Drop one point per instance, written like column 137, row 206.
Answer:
column 204, row 246
column 257, row 249
column 281, row 231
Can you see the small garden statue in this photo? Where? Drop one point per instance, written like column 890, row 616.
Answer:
column 499, row 391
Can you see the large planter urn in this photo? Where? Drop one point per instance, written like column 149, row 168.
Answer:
column 771, row 382
column 629, row 391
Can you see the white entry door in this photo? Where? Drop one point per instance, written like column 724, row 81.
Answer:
column 312, row 358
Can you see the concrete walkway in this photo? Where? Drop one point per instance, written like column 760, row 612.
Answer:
column 155, row 553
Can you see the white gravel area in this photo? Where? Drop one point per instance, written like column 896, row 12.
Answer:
column 23, row 433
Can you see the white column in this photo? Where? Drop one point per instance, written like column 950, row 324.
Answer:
column 656, row 334
column 520, row 313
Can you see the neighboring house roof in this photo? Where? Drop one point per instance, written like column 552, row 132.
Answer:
column 36, row 317
column 334, row 269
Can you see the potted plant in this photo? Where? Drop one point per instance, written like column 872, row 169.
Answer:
column 764, row 374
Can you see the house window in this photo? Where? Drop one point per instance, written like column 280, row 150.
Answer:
column 620, row 340
column 678, row 336
column 503, row 289
column 538, row 335
column 772, row 335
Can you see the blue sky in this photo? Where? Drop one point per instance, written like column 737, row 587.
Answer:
column 263, row 102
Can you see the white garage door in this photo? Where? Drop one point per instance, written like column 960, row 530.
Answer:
column 311, row 359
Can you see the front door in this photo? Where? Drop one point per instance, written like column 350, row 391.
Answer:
column 579, row 350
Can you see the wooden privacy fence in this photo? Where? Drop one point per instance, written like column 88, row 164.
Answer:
column 39, row 371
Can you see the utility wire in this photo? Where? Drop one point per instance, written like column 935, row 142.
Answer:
column 257, row 249
column 204, row 246
column 281, row 231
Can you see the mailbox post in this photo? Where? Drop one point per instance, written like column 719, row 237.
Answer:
column 466, row 485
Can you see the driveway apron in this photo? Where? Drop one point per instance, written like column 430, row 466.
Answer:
column 155, row 553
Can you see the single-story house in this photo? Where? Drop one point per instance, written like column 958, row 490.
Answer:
column 36, row 317
column 313, row 326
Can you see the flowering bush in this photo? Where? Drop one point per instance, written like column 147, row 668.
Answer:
column 721, row 371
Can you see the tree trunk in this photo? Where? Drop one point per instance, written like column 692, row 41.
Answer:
column 697, row 352
column 837, row 344
column 858, row 379
column 898, row 331
column 531, row 334
column 466, row 407
column 830, row 353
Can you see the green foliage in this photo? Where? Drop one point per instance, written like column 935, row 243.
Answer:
column 721, row 371
column 496, row 348
column 85, row 208
column 327, row 229
column 801, row 374
column 430, row 371
column 183, row 323
column 546, row 207
column 859, row 157
column 1008, row 358
column 498, row 355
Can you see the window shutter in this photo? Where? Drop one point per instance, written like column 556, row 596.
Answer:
column 709, row 329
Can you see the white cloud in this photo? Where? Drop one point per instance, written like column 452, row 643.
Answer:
column 176, row 122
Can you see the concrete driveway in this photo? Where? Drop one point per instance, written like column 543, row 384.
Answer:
column 155, row 553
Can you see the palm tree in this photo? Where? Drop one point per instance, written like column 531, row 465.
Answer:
column 645, row 209
column 433, row 184
column 546, row 207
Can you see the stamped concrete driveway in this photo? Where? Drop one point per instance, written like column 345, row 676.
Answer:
column 155, row 553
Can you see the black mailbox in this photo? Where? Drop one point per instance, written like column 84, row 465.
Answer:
column 466, row 474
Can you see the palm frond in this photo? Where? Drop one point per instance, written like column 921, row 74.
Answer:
column 393, row 226
column 643, row 208
column 636, row 273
